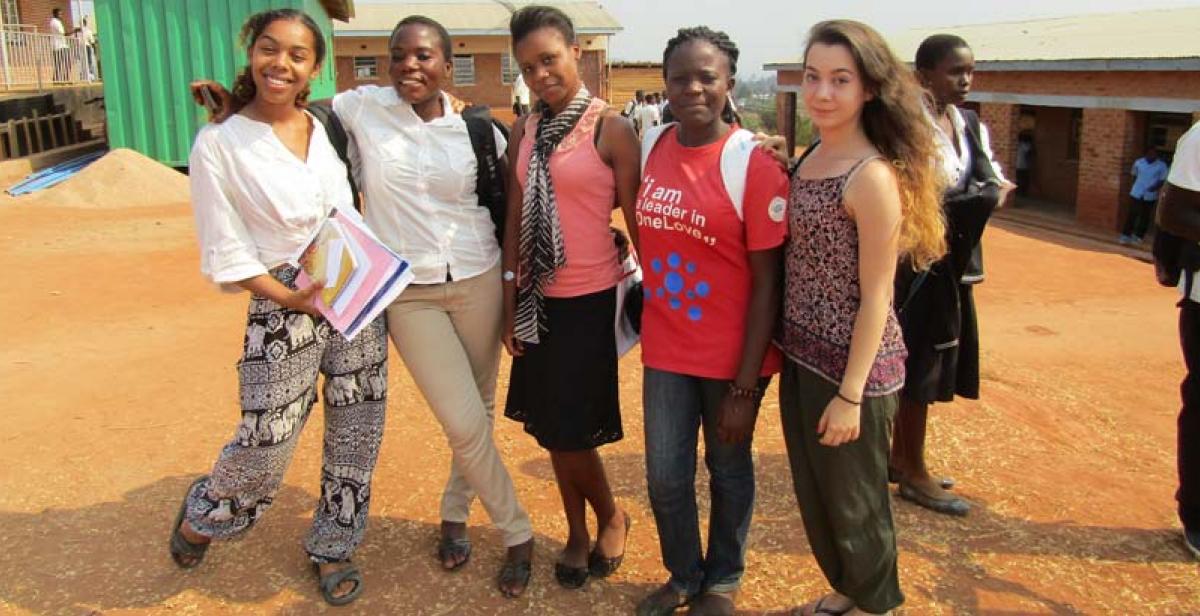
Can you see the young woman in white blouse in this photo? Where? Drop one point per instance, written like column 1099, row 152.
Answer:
column 414, row 162
column 261, row 182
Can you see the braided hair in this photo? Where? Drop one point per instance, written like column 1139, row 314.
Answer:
column 722, row 43
column 243, row 86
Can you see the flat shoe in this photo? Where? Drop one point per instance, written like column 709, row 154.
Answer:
column 603, row 566
column 945, row 483
column 570, row 577
column 953, row 506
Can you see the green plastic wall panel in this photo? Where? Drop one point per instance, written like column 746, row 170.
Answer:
column 152, row 49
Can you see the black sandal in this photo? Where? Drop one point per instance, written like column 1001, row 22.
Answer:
column 602, row 566
column 329, row 583
column 664, row 601
column 570, row 577
column 454, row 548
column 185, row 553
column 821, row 609
column 511, row 573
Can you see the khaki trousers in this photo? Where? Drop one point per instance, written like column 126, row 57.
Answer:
column 448, row 335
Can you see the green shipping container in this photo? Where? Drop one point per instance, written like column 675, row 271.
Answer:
column 151, row 50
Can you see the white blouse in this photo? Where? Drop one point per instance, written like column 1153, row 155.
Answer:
column 956, row 164
column 255, row 202
column 418, row 180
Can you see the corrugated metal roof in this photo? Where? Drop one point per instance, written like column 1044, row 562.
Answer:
column 462, row 18
column 1164, row 34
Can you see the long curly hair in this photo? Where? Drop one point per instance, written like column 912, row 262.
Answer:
column 896, row 122
column 723, row 44
column 243, row 85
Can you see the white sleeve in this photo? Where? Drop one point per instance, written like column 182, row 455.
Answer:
column 348, row 107
column 1185, row 170
column 227, row 251
column 501, row 142
column 985, row 141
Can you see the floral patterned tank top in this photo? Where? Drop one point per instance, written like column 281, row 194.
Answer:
column 821, row 288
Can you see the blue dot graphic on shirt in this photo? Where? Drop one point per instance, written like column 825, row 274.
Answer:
column 675, row 286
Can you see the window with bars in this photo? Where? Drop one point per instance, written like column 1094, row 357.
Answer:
column 366, row 68
column 464, row 70
column 509, row 71
column 10, row 12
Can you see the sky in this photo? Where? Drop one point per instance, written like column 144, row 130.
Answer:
column 773, row 30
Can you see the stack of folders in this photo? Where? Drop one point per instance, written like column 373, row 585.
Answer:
column 362, row 276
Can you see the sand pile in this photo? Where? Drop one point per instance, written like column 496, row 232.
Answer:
column 120, row 179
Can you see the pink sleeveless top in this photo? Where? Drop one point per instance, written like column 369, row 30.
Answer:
column 586, row 192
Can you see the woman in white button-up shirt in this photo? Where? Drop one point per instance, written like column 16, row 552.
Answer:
column 417, row 170
column 261, row 183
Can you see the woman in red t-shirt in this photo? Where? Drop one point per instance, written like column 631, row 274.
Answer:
column 712, row 274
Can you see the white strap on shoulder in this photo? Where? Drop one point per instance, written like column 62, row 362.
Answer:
column 735, row 161
column 650, row 139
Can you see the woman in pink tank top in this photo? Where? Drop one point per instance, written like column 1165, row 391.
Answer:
column 575, row 161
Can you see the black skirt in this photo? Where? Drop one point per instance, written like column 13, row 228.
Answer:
column 564, row 389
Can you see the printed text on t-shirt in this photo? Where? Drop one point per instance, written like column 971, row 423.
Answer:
column 659, row 208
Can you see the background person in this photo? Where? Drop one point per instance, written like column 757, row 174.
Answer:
column 1149, row 173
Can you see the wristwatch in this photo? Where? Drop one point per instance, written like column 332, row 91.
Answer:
column 509, row 276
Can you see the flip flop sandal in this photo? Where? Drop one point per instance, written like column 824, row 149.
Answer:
column 329, row 584
column 953, row 506
column 603, row 566
column 662, row 602
column 821, row 609
column 514, row 572
column 945, row 483
column 454, row 548
column 185, row 553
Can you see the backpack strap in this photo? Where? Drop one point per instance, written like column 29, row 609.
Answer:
column 340, row 141
column 735, row 162
column 489, row 180
column 650, row 139
column 980, row 160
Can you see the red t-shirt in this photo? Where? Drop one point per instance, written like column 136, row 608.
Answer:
column 694, row 256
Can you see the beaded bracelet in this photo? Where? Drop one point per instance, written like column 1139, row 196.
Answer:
column 751, row 393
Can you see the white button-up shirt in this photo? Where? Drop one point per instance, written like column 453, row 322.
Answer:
column 418, row 180
column 255, row 202
column 956, row 164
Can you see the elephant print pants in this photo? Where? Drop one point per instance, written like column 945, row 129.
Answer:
column 284, row 351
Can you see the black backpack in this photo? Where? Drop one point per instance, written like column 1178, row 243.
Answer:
column 340, row 141
column 489, row 174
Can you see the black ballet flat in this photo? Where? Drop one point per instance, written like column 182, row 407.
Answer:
column 603, row 566
column 570, row 577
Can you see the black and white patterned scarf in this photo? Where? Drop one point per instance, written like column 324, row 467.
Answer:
column 541, row 251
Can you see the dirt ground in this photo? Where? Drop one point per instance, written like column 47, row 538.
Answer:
column 117, row 368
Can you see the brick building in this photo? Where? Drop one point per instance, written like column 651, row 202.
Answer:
column 483, row 66
column 36, row 13
column 1092, row 91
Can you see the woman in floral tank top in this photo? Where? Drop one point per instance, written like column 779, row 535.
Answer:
column 859, row 199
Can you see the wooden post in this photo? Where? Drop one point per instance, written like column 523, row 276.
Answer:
column 785, row 118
